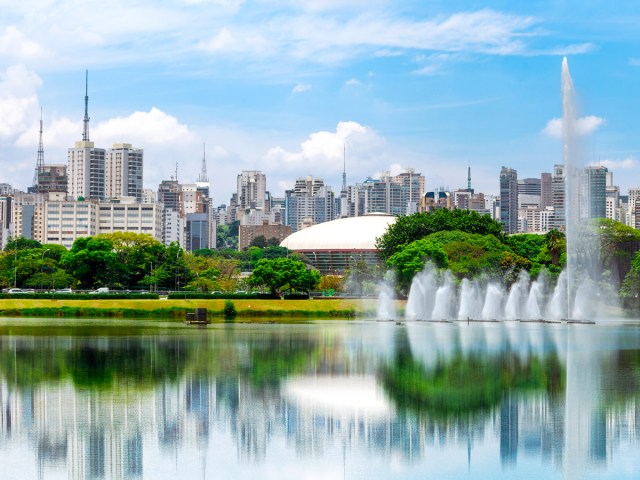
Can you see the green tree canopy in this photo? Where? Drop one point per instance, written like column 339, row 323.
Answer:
column 21, row 243
column 410, row 228
column 93, row 262
column 283, row 274
column 467, row 255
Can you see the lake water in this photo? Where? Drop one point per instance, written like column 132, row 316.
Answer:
column 319, row 400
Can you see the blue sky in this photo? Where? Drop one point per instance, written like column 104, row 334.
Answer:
column 282, row 86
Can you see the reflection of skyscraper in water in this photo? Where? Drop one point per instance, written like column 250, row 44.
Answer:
column 198, row 404
column 169, row 430
column 256, row 420
column 509, row 431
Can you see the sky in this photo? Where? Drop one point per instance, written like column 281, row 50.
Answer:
column 287, row 87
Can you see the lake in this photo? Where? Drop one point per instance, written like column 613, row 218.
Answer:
column 318, row 400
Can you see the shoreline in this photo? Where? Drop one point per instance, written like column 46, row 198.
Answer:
column 176, row 309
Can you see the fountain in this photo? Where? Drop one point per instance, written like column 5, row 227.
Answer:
column 434, row 295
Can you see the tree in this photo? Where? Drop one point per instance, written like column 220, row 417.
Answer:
column 21, row 243
column 138, row 253
column 282, row 275
column 93, row 262
column 410, row 228
column 259, row 241
column 556, row 245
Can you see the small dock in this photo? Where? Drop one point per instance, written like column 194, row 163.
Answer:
column 197, row 317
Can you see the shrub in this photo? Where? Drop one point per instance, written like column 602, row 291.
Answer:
column 229, row 309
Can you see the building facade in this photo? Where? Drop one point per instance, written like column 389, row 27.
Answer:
column 509, row 200
column 123, row 172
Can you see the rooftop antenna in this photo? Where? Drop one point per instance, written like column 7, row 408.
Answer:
column 344, row 168
column 176, row 171
column 39, row 160
column 203, row 172
column 85, row 132
column 469, row 177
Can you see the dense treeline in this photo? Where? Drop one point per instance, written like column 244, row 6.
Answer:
column 125, row 260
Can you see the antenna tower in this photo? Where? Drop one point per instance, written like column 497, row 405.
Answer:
column 344, row 168
column 203, row 172
column 85, row 131
column 39, row 160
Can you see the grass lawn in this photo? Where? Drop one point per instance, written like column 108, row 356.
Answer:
column 324, row 308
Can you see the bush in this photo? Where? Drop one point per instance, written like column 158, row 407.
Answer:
column 214, row 296
column 229, row 309
column 81, row 296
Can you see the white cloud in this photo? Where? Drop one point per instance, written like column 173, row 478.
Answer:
column 353, row 82
column 18, row 99
column 226, row 41
column 323, row 152
column 584, row 126
column 154, row 127
column 634, row 62
column 301, row 87
column 624, row 164
column 13, row 43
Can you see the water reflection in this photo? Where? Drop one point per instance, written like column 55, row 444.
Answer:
column 336, row 400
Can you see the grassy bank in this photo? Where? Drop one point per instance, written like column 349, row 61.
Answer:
column 177, row 309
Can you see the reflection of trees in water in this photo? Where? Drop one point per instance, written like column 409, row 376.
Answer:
column 465, row 383
column 94, row 362
column 109, row 362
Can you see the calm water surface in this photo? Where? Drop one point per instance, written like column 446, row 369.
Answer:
column 320, row 400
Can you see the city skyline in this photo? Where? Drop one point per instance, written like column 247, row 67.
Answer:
column 282, row 89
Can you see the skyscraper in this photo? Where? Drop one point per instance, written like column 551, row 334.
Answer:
column 597, row 184
column 509, row 199
column 123, row 172
column 252, row 190
column 558, row 198
column 86, row 164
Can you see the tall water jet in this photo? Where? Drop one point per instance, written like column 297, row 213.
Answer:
column 470, row 300
column 444, row 299
column 513, row 309
column 534, row 299
column 492, row 309
column 422, row 295
column 386, row 302
column 582, row 242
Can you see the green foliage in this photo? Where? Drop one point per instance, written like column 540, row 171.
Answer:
column 465, row 254
column 21, row 243
column 410, row 228
column 228, row 235
column 410, row 260
column 283, row 274
column 467, row 384
column 229, row 309
column 93, row 262
column 556, row 245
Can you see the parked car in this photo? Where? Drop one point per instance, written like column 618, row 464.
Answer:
column 15, row 290
column 64, row 290
column 100, row 290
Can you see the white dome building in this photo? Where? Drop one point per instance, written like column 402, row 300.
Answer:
column 333, row 246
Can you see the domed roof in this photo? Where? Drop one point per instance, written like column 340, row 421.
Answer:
column 354, row 233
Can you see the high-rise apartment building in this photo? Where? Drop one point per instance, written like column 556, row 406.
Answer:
column 558, row 195
column 252, row 190
column 309, row 203
column 86, row 163
column 395, row 195
column 123, row 172
column 86, row 171
column 597, row 187
column 546, row 190
column 509, row 199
